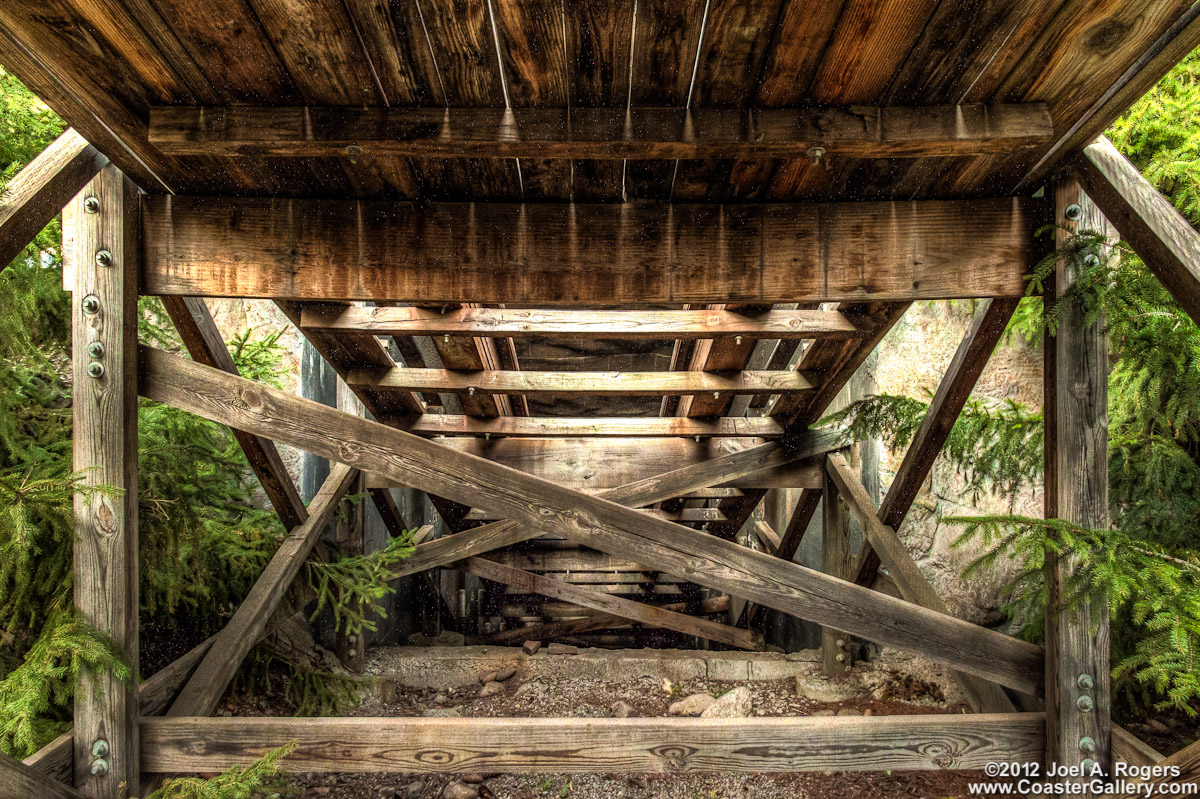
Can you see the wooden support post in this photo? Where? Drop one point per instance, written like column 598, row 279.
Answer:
column 835, row 561
column 101, row 226
column 1076, row 391
column 350, row 531
column 20, row 780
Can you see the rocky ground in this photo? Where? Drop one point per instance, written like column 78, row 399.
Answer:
column 548, row 687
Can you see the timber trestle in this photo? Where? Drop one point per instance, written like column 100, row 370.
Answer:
column 745, row 198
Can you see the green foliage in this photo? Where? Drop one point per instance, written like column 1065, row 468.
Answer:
column 260, row 779
column 352, row 587
column 35, row 695
column 27, row 125
column 995, row 446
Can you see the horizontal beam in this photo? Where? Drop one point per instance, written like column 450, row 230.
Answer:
column 1166, row 242
column 589, row 520
column 559, row 254
column 438, row 424
column 600, row 133
column 572, row 745
column 650, row 325
column 602, row 384
column 18, row 779
column 549, row 631
column 530, row 583
column 37, row 193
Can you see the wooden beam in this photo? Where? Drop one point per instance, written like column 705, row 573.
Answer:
column 531, row 583
column 196, row 327
column 36, row 194
column 600, row 133
column 767, row 536
column 1166, row 242
column 570, row 254
column 1076, row 419
column 955, row 389
column 1186, row 760
column 18, row 779
column 589, row 520
column 104, row 313
column 652, row 325
column 551, row 745
column 200, row 695
column 983, row 696
column 806, row 506
column 600, row 621
column 438, row 424
column 836, row 652
column 1128, row 748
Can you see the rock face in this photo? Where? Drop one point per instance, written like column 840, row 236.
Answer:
column 622, row 710
column 819, row 689
column 734, row 704
column 694, row 705
column 531, row 647
column 491, row 689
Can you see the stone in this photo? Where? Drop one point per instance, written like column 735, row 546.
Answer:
column 562, row 649
column 824, row 712
column 505, row 674
column 443, row 713
column 818, row 689
column 441, row 699
column 528, row 688
column 733, row 704
column 693, row 705
column 387, row 792
column 487, row 678
column 531, row 647
column 849, row 711
column 414, row 789
column 622, row 710
column 472, row 779
column 459, row 790
column 491, row 689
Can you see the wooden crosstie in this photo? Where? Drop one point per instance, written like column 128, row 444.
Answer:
column 433, row 197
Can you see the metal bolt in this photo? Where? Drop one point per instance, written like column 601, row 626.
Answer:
column 96, row 369
column 1087, row 767
column 95, row 350
column 354, row 151
column 841, row 657
column 91, row 205
column 446, row 338
column 100, row 748
column 737, row 340
column 716, row 395
column 471, row 390
column 104, row 258
column 816, row 154
column 1087, row 745
column 1085, row 682
column 487, row 436
column 352, row 639
column 1091, row 260
column 99, row 767
column 1073, row 212
column 841, row 642
column 91, row 304
column 1085, row 704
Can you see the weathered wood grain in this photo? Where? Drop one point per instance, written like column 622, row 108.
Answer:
column 602, row 384
column 207, row 684
column 431, row 424
column 19, row 780
column 1187, row 760
column 1128, row 748
column 571, row 254
column 517, row 745
column 105, row 454
column 599, row 621
column 650, row 325
column 529, row 582
column 1166, row 242
column 36, row 194
column 593, row 521
column 835, row 562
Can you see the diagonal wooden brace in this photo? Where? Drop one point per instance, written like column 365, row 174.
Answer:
column 594, row 521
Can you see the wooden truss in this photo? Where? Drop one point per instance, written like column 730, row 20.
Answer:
column 497, row 472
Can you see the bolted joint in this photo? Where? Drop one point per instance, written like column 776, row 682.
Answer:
column 91, row 304
column 354, row 151
column 95, row 350
column 815, row 154
column 100, row 748
column 1073, row 212
column 95, row 369
column 1085, row 704
column 1087, row 745
column 1085, row 682
column 91, row 205
column 99, row 767
column 840, row 657
column 1091, row 260
column 104, row 258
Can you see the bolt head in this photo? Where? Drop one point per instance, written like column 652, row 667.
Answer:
column 91, row 205
column 99, row 767
column 95, row 369
column 816, row 154
column 1085, row 704
column 1091, row 260
column 104, row 258
column 91, row 304
column 841, row 642
column 840, row 657
column 100, row 748
column 1085, row 682
column 1087, row 745
column 1087, row 766
column 1073, row 212
column 96, row 349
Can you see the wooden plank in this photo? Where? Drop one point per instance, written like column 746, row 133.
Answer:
column 599, row 621
column 539, row 745
column 36, row 194
column 570, row 254
column 430, row 424
column 599, row 133
column 983, row 696
column 104, row 310
column 528, row 582
column 1166, row 242
column 835, row 562
column 207, row 684
column 651, row 325
column 767, row 536
column 806, row 506
column 601, row 384
column 196, row 327
column 593, row 521
column 1076, row 413
column 1186, row 760
column 681, row 515
column 1128, row 748
column 955, row 389
column 18, row 779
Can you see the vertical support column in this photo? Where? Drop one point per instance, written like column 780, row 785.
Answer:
column 1076, row 397
column 835, row 561
column 100, row 228
column 351, row 649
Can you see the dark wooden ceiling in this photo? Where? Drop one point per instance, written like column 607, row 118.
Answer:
column 102, row 64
